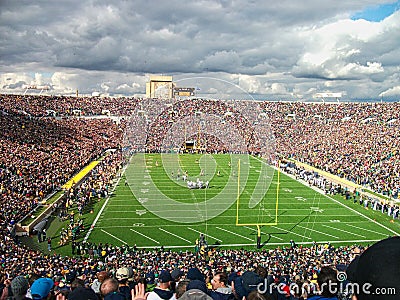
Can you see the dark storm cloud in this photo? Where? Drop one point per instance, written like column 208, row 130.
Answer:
column 252, row 38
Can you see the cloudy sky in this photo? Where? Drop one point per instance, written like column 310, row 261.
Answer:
column 285, row 49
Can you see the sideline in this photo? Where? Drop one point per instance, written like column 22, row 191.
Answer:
column 104, row 204
column 344, row 182
column 340, row 203
column 271, row 244
column 26, row 224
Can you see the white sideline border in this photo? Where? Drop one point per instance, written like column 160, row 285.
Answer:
column 338, row 202
column 272, row 244
column 104, row 205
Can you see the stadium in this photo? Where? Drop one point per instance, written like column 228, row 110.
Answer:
column 283, row 189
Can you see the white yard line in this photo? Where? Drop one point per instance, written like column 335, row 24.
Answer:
column 345, row 231
column 263, row 233
column 145, row 236
column 104, row 205
column 335, row 237
column 369, row 230
column 368, row 218
column 302, row 236
column 207, row 235
column 234, row 233
column 179, row 237
column 113, row 236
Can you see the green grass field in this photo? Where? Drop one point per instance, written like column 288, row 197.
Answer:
column 155, row 208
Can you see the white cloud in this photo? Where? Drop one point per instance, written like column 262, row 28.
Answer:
column 11, row 81
column 394, row 91
column 64, row 83
column 289, row 47
column 277, row 88
column 250, row 84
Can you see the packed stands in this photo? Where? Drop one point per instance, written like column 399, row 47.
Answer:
column 45, row 140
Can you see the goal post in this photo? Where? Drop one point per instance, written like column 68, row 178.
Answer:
column 274, row 206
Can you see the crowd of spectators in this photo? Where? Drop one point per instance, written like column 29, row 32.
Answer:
column 294, row 272
column 289, row 264
column 61, row 106
column 202, row 110
column 357, row 141
column 40, row 153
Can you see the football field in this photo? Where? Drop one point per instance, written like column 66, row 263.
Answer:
column 228, row 197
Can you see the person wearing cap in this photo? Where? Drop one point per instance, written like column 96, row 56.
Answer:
column 122, row 276
column 196, row 290
column 220, row 290
column 375, row 274
column 162, row 291
column 41, row 288
column 19, row 288
column 244, row 284
column 194, row 273
column 81, row 293
column 131, row 279
column 176, row 275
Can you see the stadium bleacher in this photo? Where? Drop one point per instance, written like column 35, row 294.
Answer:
column 40, row 152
